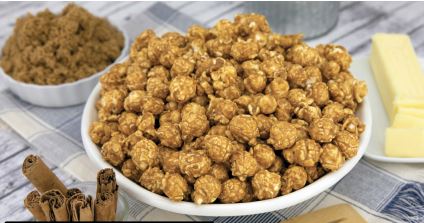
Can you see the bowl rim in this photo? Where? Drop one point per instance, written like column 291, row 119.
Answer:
column 236, row 209
column 121, row 56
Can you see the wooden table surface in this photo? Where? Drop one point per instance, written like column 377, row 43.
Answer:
column 358, row 21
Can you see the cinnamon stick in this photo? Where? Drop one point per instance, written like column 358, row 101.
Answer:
column 79, row 208
column 104, row 207
column 106, row 183
column 32, row 203
column 40, row 175
column 53, row 204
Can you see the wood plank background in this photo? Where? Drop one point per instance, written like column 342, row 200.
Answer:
column 357, row 22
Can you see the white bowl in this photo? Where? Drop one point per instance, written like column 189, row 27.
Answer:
column 63, row 94
column 256, row 207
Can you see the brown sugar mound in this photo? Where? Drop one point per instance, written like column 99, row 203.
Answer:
column 50, row 49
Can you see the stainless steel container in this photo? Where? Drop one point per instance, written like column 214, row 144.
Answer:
column 313, row 19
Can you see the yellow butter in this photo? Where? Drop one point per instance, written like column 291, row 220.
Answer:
column 417, row 112
column 397, row 72
column 404, row 142
column 407, row 121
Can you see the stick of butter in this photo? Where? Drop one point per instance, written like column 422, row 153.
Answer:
column 400, row 81
column 405, row 142
column 397, row 72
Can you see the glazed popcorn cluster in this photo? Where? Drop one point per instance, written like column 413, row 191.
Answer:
column 234, row 113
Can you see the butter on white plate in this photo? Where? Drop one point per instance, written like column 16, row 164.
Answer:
column 400, row 81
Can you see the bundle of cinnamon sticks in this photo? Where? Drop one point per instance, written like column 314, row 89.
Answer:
column 52, row 201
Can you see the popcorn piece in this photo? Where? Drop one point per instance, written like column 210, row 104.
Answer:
column 194, row 122
column 308, row 113
column 233, row 191
column 129, row 169
column 296, row 76
column 274, row 67
column 297, row 98
column 264, row 155
column 146, row 124
column 224, row 81
column 194, row 163
column 182, row 89
column 266, row 185
column 136, row 78
column 304, row 55
column 305, row 152
column 319, row 93
column 348, row 143
column 221, row 110
column 100, row 132
column 169, row 160
column 152, row 180
column 251, row 23
column 284, row 110
column 336, row 53
column 173, row 116
column 182, row 66
column 220, row 172
column 323, row 130
column 127, row 123
column 158, row 87
column 113, row 151
column 169, row 135
column 267, row 104
column 334, row 111
column 255, row 83
column 115, row 78
column 331, row 158
column 112, row 101
column 206, row 190
column 175, row 186
column 133, row 102
column 159, row 72
column 294, row 178
column 242, row 51
column 244, row 129
column 353, row 125
column 218, row 148
column 330, row 69
column 279, row 88
column 145, row 154
column 244, row 165
column 282, row 135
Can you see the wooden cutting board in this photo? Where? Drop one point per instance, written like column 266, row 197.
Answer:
column 342, row 213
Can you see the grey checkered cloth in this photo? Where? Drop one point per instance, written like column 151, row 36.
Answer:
column 371, row 188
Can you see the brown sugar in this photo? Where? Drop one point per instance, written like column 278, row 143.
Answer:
column 52, row 49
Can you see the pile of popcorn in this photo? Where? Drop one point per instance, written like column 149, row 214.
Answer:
column 234, row 113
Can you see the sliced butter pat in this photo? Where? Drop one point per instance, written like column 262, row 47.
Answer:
column 405, row 142
column 396, row 70
column 407, row 121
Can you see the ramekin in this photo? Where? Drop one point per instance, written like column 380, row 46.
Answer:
column 61, row 95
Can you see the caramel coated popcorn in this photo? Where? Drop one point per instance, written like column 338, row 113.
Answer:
column 266, row 185
column 234, row 113
column 206, row 190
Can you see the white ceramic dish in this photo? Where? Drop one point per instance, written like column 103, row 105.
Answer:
column 361, row 68
column 60, row 95
column 137, row 192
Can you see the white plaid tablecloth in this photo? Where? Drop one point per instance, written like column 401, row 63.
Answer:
column 380, row 192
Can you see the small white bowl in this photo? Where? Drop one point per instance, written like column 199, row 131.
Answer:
column 63, row 94
column 256, row 207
